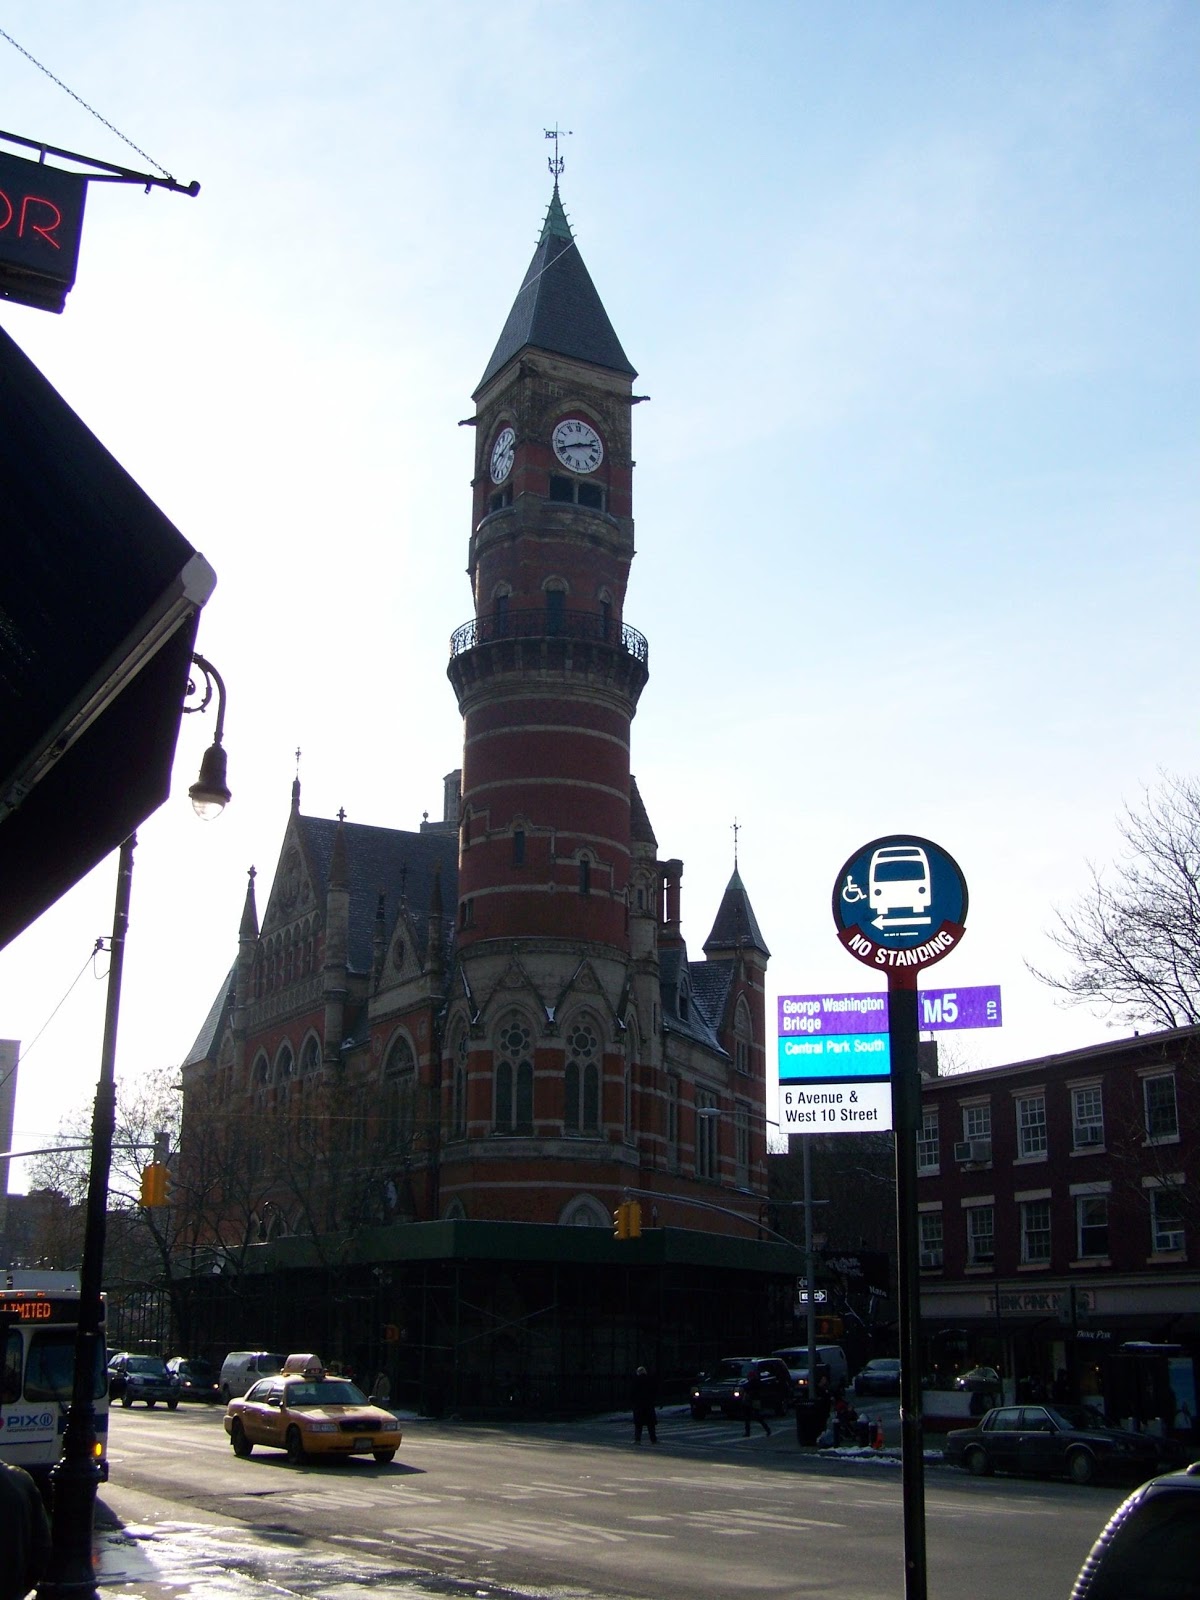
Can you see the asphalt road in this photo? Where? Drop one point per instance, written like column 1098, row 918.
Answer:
column 578, row 1511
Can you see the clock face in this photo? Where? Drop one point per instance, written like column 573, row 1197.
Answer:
column 577, row 445
column 502, row 455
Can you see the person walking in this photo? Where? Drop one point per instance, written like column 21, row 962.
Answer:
column 752, row 1403
column 643, row 1406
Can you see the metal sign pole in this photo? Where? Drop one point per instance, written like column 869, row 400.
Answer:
column 906, row 1113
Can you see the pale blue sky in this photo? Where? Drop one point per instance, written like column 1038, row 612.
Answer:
column 913, row 289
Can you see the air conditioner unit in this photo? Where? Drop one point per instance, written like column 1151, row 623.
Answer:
column 1091, row 1133
column 931, row 1260
column 973, row 1150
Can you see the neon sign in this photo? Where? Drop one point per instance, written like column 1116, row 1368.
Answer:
column 41, row 219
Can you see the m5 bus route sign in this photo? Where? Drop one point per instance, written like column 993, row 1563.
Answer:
column 816, row 1015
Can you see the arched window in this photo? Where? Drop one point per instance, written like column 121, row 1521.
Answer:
column 631, row 1051
column 585, row 874
column 458, row 1107
column 743, row 1030
column 514, row 1076
column 399, row 1093
column 285, row 1063
column 310, row 1055
column 581, row 1112
column 261, row 1074
column 556, row 605
column 585, row 1211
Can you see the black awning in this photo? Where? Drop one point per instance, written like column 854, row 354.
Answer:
column 99, row 602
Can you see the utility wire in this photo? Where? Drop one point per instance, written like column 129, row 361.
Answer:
column 81, row 101
column 96, row 949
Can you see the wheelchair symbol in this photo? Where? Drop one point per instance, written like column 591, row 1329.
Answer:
column 851, row 893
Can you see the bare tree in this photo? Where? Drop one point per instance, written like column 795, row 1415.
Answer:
column 1133, row 937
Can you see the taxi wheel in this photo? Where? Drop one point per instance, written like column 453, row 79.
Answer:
column 384, row 1456
column 296, row 1452
column 241, row 1445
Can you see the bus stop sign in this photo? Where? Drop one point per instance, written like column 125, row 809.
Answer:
column 900, row 902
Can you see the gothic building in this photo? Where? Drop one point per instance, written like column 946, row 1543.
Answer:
column 493, row 1019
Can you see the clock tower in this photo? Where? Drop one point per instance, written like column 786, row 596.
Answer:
column 547, row 673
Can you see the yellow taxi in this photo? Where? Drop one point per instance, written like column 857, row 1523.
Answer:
column 308, row 1412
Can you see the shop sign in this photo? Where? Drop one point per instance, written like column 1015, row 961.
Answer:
column 1047, row 1301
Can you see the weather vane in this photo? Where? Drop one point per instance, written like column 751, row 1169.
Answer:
column 737, row 828
column 557, row 162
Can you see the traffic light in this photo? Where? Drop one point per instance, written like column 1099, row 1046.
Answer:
column 154, row 1185
column 635, row 1219
column 627, row 1220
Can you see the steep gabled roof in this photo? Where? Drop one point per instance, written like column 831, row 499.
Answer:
column 736, row 926
column 697, row 1024
column 400, row 864
column 640, row 830
column 557, row 307
column 205, row 1047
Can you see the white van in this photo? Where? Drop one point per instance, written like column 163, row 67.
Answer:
column 831, row 1357
column 241, row 1368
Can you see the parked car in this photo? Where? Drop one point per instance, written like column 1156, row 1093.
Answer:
column 880, row 1376
column 1147, row 1549
column 197, row 1379
column 307, row 1412
column 1062, row 1440
column 723, row 1388
column 242, row 1368
column 135, row 1377
column 831, row 1363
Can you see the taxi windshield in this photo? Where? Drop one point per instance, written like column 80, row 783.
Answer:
column 325, row 1392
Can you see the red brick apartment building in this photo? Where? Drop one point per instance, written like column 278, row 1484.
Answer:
column 1059, row 1217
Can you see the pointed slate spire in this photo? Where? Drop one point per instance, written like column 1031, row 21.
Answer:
column 557, row 307
column 248, row 928
column 736, row 926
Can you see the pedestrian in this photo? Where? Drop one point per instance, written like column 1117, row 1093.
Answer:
column 381, row 1390
column 25, row 1530
column 752, row 1403
column 643, row 1406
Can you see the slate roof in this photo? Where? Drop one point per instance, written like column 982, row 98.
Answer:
column 210, row 1030
column 400, row 864
column 697, row 1024
column 557, row 307
column 711, row 983
column 640, row 830
column 736, row 924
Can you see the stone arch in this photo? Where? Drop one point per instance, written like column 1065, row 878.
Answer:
column 310, row 1054
column 285, row 1063
column 585, row 1211
column 399, row 1092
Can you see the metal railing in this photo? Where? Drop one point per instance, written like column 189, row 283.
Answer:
column 540, row 623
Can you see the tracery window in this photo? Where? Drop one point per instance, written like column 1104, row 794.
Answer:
column 514, row 1076
column 582, row 1109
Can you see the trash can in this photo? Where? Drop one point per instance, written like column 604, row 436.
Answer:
column 810, row 1421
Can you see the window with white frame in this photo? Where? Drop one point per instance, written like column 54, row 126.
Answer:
column 981, row 1235
column 1091, row 1223
column 1162, row 1113
column 927, row 1140
column 1035, row 1232
column 930, row 1226
column 1166, row 1216
column 706, row 1134
column 977, row 1121
column 741, row 1145
column 1087, row 1117
column 1031, row 1126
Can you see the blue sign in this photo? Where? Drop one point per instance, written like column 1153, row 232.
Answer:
column 844, row 1055
column 900, row 901
column 939, row 1010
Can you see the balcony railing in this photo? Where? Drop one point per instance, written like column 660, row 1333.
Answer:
column 539, row 623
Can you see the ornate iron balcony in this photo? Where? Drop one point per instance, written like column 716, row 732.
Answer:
column 538, row 623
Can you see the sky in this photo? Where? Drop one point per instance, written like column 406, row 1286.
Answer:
column 912, row 288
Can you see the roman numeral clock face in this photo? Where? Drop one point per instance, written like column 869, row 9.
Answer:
column 577, row 445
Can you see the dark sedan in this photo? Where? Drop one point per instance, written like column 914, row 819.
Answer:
column 724, row 1388
column 1055, row 1441
column 197, row 1379
column 881, row 1376
column 136, row 1377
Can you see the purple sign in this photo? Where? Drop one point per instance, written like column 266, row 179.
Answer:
column 937, row 1011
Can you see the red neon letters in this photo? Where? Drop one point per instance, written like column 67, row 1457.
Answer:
column 25, row 217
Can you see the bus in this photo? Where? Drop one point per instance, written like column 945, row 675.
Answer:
column 39, row 1321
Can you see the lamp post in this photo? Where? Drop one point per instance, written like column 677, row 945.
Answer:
column 71, row 1571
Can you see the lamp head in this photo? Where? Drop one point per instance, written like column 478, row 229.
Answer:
column 210, row 793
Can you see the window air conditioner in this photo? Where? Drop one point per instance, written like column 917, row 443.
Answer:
column 973, row 1150
column 931, row 1259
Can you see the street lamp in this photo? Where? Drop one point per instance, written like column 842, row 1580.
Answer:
column 71, row 1571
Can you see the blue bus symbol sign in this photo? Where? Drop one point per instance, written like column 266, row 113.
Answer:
column 900, row 902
